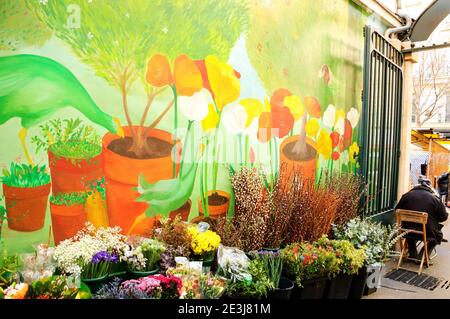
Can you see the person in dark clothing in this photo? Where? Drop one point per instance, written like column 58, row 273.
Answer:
column 443, row 186
column 423, row 198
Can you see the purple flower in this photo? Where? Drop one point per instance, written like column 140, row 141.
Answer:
column 104, row 256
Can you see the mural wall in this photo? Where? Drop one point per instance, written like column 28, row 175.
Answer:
column 120, row 111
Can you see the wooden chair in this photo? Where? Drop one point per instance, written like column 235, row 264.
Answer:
column 415, row 217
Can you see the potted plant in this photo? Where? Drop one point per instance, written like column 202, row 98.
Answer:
column 308, row 266
column 26, row 189
column 74, row 154
column 156, row 286
column 273, row 265
column 95, row 272
column 57, row 287
column 377, row 241
column 350, row 260
column 68, row 214
column 145, row 258
column 204, row 243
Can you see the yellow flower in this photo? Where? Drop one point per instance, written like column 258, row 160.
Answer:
column 312, row 127
column 253, row 107
column 324, row 144
column 211, row 120
column 353, row 151
column 223, row 81
column 339, row 113
column 295, row 106
column 203, row 242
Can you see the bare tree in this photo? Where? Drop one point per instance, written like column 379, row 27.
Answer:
column 431, row 83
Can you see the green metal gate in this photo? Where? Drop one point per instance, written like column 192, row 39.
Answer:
column 381, row 119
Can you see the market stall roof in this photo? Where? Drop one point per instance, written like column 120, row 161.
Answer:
column 429, row 19
column 422, row 136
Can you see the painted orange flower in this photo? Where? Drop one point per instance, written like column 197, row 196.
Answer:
column 347, row 134
column 282, row 121
column 277, row 99
column 312, row 106
column 158, row 71
column 186, row 76
column 335, row 138
column 265, row 127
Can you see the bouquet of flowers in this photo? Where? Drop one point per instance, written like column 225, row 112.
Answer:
column 146, row 255
column 156, row 286
column 273, row 264
column 38, row 265
column 204, row 242
column 54, row 287
column 90, row 250
column 15, row 291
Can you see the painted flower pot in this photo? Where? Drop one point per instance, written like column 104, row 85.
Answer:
column 358, row 284
column 283, row 291
column 338, row 287
column 182, row 211
column 67, row 221
column 312, row 289
column 95, row 284
column 132, row 274
column 68, row 176
column 26, row 207
column 292, row 162
column 121, row 176
column 218, row 203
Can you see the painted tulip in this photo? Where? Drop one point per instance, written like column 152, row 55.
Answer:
column 186, row 76
column 295, row 106
column 353, row 117
column 282, row 121
column 340, row 125
column 312, row 106
column 329, row 116
column 158, row 71
column 335, row 138
column 353, row 151
column 253, row 108
column 278, row 97
column 324, row 144
column 211, row 120
column 195, row 107
column 312, row 127
column 234, row 118
column 265, row 127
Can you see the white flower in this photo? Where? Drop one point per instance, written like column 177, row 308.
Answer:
column 44, row 2
column 353, row 117
column 340, row 125
column 252, row 129
column 127, row 15
column 90, row 35
column 234, row 118
column 329, row 116
column 165, row 30
column 195, row 107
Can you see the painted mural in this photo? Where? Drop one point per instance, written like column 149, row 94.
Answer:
column 119, row 112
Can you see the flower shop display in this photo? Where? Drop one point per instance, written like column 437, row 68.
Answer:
column 15, row 291
column 68, row 214
column 204, row 243
column 26, row 189
column 73, row 154
column 9, row 266
column 377, row 241
column 143, row 259
column 38, row 265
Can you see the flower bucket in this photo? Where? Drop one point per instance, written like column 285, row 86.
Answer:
column 358, row 284
column 95, row 284
column 338, row 287
column 132, row 274
column 67, row 221
column 121, row 176
column 183, row 211
column 26, row 207
column 219, row 208
column 312, row 289
column 69, row 177
column 283, row 291
column 306, row 166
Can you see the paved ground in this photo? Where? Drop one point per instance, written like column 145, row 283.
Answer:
column 391, row 289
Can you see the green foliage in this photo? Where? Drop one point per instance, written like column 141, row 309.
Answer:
column 9, row 265
column 151, row 249
column 68, row 199
column 117, row 39
column 19, row 27
column 376, row 239
column 25, row 175
column 70, row 139
column 55, row 287
column 255, row 287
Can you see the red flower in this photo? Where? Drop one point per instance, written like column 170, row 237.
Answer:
column 282, row 121
column 347, row 134
column 335, row 156
column 277, row 99
column 334, row 138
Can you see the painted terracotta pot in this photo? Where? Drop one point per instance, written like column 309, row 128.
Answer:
column 182, row 211
column 67, row 221
column 121, row 177
column 216, row 210
column 69, row 177
column 26, row 207
column 307, row 167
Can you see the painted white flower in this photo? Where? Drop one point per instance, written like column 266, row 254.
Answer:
column 44, row 2
column 252, row 129
column 127, row 15
column 165, row 30
column 353, row 117
column 234, row 118
column 90, row 35
column 329, row 116
column 195, row 107
column 340, row 125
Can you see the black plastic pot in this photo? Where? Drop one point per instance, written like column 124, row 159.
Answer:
column 358, row 284
column 283, row 291
column 338, row 287
column 312, row 289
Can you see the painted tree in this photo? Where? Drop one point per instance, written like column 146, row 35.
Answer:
column 19, row 27
column 118, row 39
column 431, row 84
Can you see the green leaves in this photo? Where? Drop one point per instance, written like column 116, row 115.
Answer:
column 25, row 175
column 69, row 199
